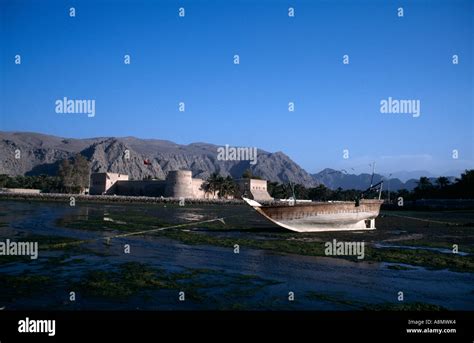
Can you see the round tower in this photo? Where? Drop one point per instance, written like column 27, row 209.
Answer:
column 179, row 183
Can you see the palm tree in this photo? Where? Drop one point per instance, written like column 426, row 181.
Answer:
column 424, row 188
column 465, row 185
column 442, row 182
column 424, row 183
column 247, row 174
column 213, row 183
column 320, row 192
column 467, row 178
column 227, row 187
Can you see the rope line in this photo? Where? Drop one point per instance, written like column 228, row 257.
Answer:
column 107, row 239
column 424, row 220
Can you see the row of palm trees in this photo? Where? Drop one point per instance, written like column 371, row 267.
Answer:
column 224, row 187
column 425, row 183
column 462, row 187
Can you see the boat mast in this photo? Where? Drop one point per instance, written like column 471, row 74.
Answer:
column 373, row 172
column 292, row 187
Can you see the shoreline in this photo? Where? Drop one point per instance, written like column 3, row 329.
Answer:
column 450, row 204
column 61, row 197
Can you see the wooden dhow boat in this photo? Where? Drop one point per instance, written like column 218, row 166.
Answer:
column 321, row 216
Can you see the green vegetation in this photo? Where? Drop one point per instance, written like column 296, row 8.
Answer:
column 312, row 295
column 134, row 278
column 129, row 279
column 438, row 245
column 245, row 286
column 217, row 184
column 247, row 174
column 73, row 177
column 462, row 188
column 442, row 189
column 417, row 257
column 26, row 284
column 238, row 231
column 51, row 242
column 429, row 259
column 129, row 221
column 74, row 174
column 219, row 289
column 42, row 182
column 411, row 306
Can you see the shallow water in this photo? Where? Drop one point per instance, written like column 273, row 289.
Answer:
column 346, row 285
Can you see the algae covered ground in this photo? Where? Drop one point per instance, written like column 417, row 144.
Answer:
column 397, row 228
column 91, row 258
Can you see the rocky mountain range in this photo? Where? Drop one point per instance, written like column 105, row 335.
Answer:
column 25, row 153
column 334, row 179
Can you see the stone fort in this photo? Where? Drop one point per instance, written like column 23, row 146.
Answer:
column 178, row 184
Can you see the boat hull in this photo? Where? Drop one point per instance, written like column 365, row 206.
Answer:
column 323, row 216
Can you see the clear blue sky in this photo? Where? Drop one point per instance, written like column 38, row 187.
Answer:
column 283, row 59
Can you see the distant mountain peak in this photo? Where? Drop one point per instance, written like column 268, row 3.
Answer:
column 334, row 179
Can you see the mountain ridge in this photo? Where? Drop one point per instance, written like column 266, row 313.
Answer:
column 334, row 179
column 41, row 153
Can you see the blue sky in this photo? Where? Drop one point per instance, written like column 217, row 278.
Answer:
column 282, row 59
